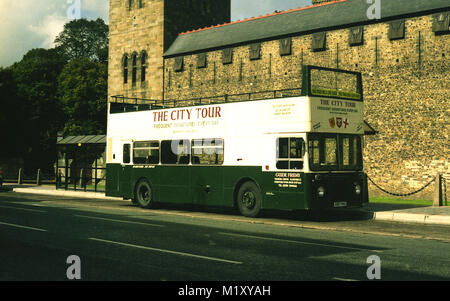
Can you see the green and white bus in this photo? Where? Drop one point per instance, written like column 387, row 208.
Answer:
column 296, row 149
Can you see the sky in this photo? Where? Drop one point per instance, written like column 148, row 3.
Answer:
column 28, row 24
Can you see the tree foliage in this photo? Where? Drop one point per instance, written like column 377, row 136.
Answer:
column 40, row 110
column 50, row 90
column 84, row 39
column 82, row 88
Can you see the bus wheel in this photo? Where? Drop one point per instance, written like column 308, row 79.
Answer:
column 144, row 194
column 249, row 199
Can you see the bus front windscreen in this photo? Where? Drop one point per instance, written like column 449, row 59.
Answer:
column 333, row 83
column 335, row 152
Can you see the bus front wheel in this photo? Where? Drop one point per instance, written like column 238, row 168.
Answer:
column 249, row 199
column 144, row 194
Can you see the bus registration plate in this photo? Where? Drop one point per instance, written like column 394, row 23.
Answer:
column 340, row 204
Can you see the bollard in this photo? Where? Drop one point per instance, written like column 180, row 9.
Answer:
column 82, row 178
column 38, row 178
column 20, row 180
column 437, row 197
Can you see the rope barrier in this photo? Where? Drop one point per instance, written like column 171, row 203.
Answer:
column 399, row 194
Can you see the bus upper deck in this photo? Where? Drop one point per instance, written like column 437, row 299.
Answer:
column 316, row 82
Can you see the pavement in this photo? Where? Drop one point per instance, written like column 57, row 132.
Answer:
column 379, row 211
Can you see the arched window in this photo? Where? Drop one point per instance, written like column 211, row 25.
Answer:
column 130, row 4
column 143, row 65
column 125, row 68
column 134, row 68
column 141, row 4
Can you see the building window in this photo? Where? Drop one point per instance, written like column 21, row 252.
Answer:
column 179, row 64
column 130, row 4
column 201, row 60
column 397, row 30
column 441, row 23
column 227, row 56
column 125, row 68
column 143, row 65
column 356, row 36
column 286, row 46
column 141, row 4
column 255, row 51
column 318, row 41
column 134, row 68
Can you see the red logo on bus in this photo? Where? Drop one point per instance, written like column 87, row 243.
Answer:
column 332, row 123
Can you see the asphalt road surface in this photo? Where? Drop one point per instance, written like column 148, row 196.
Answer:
column 115, row 240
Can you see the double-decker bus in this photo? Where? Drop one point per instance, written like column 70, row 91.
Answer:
column 296, row 149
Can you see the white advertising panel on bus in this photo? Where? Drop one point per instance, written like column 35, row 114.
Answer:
column 330, row 115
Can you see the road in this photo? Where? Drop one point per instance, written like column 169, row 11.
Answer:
column 115, row 240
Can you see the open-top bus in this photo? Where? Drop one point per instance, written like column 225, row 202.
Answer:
column 295, row 149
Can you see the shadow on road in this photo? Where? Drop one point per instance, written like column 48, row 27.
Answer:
column 297, row 215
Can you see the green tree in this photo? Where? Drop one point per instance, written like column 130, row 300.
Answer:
column 83, row 38
column 82, row 88
column 11, row 129
column 40, row 111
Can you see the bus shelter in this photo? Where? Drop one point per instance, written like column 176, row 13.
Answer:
column 81, row 163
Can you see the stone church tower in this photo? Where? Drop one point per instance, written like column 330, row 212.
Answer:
column 140, row 32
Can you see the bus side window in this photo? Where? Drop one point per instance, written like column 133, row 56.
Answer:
column 175, row 152
column 207, row 152
column 290, row 152
column 146, row 152
column 126, row 153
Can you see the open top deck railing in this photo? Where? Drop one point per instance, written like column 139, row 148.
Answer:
column 122, row 104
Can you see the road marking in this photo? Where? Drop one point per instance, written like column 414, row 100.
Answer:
column 25, row 209
column 118, row 221
column 299, row 242
column 344, row 279
column 23, row 227
column 166, row 251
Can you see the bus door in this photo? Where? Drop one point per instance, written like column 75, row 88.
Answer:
column 207, row 157
column 125, row 172
column 289, row 184
column 174, row 175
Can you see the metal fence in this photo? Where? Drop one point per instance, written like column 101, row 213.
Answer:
column 81, row 179
column 23, row 176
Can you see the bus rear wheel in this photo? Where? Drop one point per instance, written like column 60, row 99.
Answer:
column 144, row 194
column 249, row 199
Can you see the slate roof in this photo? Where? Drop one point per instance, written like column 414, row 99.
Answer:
column 327, row 16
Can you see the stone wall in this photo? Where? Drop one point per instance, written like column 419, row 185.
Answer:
column 406, row 86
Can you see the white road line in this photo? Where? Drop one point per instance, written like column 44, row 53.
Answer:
column 118, row 221
column 23, row 227
column 24, row 209
column 166, row 251
column 299, row 242
column 343, row 279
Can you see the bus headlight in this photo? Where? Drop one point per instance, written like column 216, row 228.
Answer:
column 358, row 189
column 321, row 192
